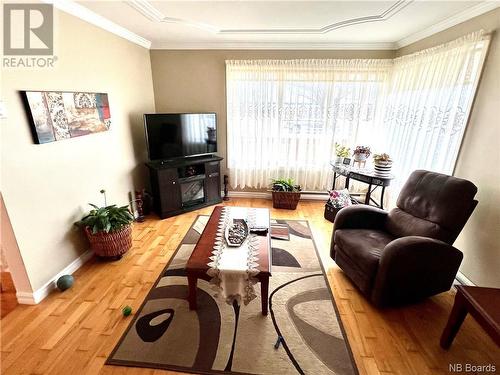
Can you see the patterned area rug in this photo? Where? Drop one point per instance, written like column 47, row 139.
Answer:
column 220, row 338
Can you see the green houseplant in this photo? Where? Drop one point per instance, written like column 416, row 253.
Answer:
column 108, row 229
column 341, row 152
column 286, row 193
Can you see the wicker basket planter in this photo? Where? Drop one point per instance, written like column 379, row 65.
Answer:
column 331, row 212
column 112, row 244
column 285, row 199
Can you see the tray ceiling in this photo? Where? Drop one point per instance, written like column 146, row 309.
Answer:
column 284, row 24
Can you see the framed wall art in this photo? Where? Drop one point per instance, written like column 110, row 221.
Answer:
column 56, row 115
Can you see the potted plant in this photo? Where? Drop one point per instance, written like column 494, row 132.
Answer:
column 286, row 193
column 361, row 153
column 382, row 164
column 341, row 152
column 108, row 229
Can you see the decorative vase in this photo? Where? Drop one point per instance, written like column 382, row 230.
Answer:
column 339, row 160
column 383, row 168
column 360, row 157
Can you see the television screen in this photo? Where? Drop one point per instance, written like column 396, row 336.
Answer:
column 173, row 135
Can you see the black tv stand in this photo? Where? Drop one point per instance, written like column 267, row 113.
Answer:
column 185, row 184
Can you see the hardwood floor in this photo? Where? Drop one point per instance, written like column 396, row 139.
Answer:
column 8, row 299
column 74, row 332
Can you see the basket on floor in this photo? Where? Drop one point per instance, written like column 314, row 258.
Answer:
column 285, row 199
column 110, row 244
column 331, row 212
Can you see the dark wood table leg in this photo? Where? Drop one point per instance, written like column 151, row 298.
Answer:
column 382, row 198
column 457, row 316
column 368, row 194
column 192, row 282
column 264, row 293
column 334, row 180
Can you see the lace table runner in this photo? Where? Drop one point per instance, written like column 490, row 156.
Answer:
column 233, row 269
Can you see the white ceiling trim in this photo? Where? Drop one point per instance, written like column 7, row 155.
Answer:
column 149, row 11
column 89, row 16
column 273, row 45
column 463, row 16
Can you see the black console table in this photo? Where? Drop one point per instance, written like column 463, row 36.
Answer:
column 186, row 184
column 363, row 175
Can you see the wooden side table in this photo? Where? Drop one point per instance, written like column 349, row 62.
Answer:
column 368, row 177
column 482, row 303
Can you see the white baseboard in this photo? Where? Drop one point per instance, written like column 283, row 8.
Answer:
column 39, row 294
column 462, row 279
column 267, row 195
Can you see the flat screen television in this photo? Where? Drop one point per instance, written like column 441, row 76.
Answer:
column 174, row 135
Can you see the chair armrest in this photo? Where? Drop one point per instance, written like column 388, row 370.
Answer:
column 360, row 217
column 412, row 268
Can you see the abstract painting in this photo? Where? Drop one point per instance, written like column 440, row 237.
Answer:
column 58, row 115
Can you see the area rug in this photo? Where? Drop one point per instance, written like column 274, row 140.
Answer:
column 219, row 338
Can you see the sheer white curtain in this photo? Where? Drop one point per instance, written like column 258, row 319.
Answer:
column 428, row 103
column 284, row 116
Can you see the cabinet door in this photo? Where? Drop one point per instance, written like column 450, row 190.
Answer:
column 170, row 193
column 212, row 181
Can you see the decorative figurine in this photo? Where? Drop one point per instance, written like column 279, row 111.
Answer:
column 138, row 206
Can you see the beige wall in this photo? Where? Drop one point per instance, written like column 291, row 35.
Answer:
column 194, row 80
column 46, row 187
column 479, row 158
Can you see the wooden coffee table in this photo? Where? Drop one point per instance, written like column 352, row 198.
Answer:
column 197, row 265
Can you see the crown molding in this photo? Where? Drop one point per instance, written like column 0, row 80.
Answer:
column 152, row 13
column 149, row 11
column 77, row 10
column 272, row 45
column 454, row 20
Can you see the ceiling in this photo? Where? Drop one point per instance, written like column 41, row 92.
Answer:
column 278, row 24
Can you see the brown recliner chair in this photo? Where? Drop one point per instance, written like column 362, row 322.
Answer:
column 406, row 254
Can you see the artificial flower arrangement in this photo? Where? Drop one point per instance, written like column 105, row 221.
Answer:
column 382, row 158
column 339, row 198
column 361, row 153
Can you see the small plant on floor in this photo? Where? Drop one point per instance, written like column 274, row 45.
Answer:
column 286, row 193
column 285, row 184
column 108, row 229
column 106, row 219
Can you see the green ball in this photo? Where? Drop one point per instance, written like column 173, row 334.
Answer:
column 65, row 282
column 127, row 310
